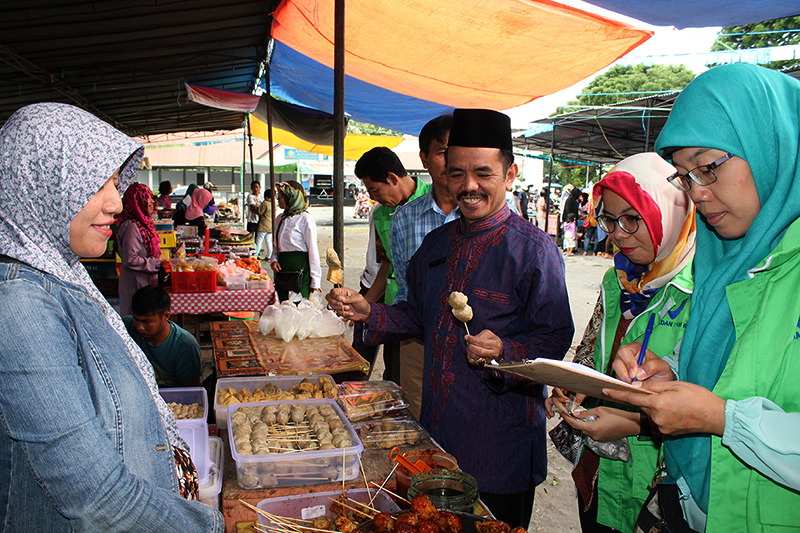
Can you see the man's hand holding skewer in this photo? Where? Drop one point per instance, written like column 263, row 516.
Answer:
column 348, row 304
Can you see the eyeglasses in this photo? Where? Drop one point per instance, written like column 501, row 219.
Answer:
column 702, row 175
column 627, row 223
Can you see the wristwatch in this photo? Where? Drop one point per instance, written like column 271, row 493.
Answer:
column 645, row 432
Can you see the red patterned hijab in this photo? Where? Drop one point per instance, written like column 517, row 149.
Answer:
column 134, row 207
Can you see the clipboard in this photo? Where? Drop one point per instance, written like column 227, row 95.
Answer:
column 569, row 376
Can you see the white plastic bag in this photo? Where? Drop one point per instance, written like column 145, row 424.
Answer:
column 327, row 324
column 269, row 318
column 289, row 321
column 308, row 316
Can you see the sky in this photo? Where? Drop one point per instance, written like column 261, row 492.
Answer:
column 668, row 46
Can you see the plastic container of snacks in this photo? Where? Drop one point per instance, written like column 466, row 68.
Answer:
column 292, row 450
column 230, row 390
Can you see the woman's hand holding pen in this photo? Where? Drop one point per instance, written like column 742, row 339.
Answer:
column 626, row 366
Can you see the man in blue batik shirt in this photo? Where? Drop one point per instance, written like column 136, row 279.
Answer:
column 513, row 275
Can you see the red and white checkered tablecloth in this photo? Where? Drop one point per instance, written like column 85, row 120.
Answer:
column 195, row 303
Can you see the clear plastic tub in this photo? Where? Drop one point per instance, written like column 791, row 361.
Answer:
column 389, row 431
column 209, row 492
column 271, row 470
column 310, row 506
column 196, row 436
column 259, row 284
column 236, row 282
column 186, row 396
column 252, row 383
column 368, row 399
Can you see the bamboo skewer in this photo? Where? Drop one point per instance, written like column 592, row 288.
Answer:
column 392, row 493
column 282, row 521
column 344, row 472
column 366, row 483
column 380, row 488
column 363, row 505
column 339, row 502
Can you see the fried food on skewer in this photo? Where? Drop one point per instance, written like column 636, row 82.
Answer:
column 461, row 309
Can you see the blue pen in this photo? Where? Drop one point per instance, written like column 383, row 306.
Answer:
column 647, row 332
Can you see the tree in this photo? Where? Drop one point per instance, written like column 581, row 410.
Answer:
column 748, row 36
column 362, row 128
column 618, row 84
column 565, row 172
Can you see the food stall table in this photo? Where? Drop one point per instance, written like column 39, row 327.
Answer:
column 198, row 303
column 240, row 349
column 375, row 461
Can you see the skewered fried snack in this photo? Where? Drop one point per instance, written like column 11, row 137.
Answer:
column 183, row 411
column 457, row 300
column 461, row 310
column 423, row 518
column 492, row 526
column 464, row 314
column 271, row 392
column 335, row 272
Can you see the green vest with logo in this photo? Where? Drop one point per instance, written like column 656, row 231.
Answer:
column 764, row 362
column 623, row 487
column 382, row 216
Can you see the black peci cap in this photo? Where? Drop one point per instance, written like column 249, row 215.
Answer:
column 480, row 128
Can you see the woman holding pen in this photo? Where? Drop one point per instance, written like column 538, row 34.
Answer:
column 733, row 416
column 645, row 294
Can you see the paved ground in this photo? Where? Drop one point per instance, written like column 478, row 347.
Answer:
column 555, row 508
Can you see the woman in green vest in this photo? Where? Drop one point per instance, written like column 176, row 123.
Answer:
column 653, row 226
column 733, row 418
column 295, row 248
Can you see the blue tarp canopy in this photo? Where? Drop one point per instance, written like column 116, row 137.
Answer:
column 694, row 14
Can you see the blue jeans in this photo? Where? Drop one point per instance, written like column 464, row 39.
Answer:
column 588, row 234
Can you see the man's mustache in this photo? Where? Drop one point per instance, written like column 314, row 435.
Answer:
column 470, row 194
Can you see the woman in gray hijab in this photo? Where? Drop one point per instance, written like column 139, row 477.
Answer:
column 87, row 443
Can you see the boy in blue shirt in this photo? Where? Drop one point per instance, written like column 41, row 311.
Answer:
column 173, row 351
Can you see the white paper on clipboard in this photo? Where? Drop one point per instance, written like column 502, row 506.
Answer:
column 573, row 377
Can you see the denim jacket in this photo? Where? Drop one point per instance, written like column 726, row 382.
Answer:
column 83, row 447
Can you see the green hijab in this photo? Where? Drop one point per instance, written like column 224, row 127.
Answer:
column 753, row 113
column 295, row 197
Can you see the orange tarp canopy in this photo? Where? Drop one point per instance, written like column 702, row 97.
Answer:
column 497, row 54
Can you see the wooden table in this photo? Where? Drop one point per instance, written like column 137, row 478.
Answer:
column 239, row 349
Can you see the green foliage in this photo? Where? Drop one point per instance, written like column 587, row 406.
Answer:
column 761, row 40
column 362, row 128
column 565, row 173
column 606, row 88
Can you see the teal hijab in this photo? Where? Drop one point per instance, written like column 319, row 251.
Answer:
column 753, row 113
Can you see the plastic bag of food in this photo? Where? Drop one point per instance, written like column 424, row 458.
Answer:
column 269, row 318
column 308, row 315
column 289, row 321
column 327, row 324
column 318, row 300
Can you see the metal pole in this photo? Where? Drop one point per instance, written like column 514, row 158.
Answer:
column 271, row 159
column 338, row 130
column 243, row 206
column 550, row 178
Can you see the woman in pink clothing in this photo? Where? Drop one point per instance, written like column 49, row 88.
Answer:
column 138, row 244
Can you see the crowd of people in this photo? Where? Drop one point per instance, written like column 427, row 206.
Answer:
column 705, row 232
column 696, row 311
